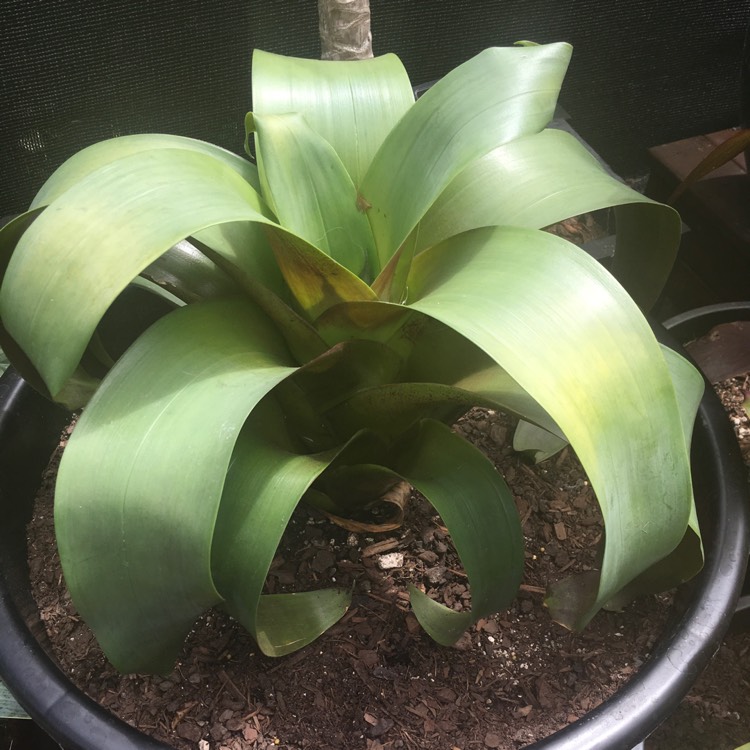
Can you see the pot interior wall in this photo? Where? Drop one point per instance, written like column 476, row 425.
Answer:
column 30, row 428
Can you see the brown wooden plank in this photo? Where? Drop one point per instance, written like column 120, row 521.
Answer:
column 681, row 157
column 714, row 260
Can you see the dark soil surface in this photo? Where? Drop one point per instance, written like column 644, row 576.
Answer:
column 376, row 679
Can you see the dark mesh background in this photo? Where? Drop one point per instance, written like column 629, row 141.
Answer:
column 74, row 72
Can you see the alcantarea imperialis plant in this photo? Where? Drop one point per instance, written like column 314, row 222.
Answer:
column 329, row 313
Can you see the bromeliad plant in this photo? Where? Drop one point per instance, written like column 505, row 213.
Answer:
column 329, row 313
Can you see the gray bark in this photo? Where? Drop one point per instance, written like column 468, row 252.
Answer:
column 345, row 29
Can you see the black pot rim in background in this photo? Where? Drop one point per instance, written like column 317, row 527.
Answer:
column 696, row 629
column 692, row 324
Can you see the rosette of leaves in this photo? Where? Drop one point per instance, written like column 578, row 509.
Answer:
column 306, row 325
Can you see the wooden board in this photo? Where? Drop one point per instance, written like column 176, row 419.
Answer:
column 714, row 260
column 9, row 708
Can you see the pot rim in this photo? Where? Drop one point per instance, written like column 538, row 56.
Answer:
column 691, row 324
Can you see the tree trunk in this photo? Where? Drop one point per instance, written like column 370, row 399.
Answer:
column 345, row 29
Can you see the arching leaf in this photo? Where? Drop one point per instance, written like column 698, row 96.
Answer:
column 478, row 510
column 352, row 104
column 266, row 481
column 82, row 251
column 543, row 178
column 135, row 536
column 565, row 330
column 89, row 159
column 310, row 191
column 458, row 120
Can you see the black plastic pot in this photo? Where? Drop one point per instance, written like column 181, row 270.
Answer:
column 29, row 429
column 691, row 325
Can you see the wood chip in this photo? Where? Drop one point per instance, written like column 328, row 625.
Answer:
column 492, row 740
column 380, row 547
column 250, row 734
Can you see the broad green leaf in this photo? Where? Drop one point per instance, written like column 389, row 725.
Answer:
column 541, row 179
column 536, row 442
column 468, row 368
column 135, row 535
column 496, row 385
column 328, row 380
column 231, row 240
column 179, row 270
column 570, row 336
column 310, row 191
column 352, row 104
column 266, row 481
column 287, row 622
column 533, row 181
column 689, row 387
column 243, row 246
column 422, row 341
column 370, row 321
column 10, row 234
column 3, row 362
column 100, row 154
column 648, row 235
column 686, row 559
column 391, row 409
column 478, row 509
column 86, row 247
column 316, row 280
column 459, row 119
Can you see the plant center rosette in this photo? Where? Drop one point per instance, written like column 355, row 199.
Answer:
column 305, row 325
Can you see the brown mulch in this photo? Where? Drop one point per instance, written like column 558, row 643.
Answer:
column 581, row 229
column 376, row 680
